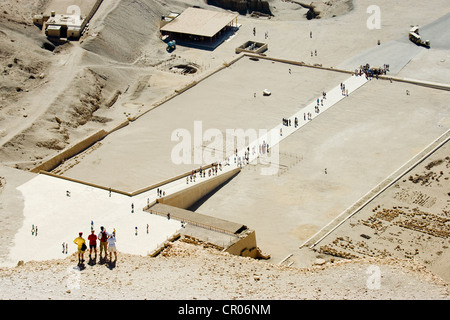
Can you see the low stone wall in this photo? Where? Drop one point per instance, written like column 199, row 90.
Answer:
column 428, row 84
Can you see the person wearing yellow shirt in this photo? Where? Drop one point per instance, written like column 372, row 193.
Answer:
column 81, row 247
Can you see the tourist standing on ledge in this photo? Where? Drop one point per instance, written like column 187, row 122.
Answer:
column 81, row 247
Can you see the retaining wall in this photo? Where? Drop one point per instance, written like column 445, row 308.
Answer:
column 91, row 14
column 54, row 161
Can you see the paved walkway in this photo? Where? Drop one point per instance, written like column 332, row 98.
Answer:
column 60, row 208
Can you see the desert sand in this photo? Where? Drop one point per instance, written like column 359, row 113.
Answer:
column 53, row 97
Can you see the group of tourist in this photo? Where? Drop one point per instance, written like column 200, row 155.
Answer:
column 372, row 72
column 344, row 90
column 107, row 244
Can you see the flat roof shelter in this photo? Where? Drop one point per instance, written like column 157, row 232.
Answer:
column 195, row 24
